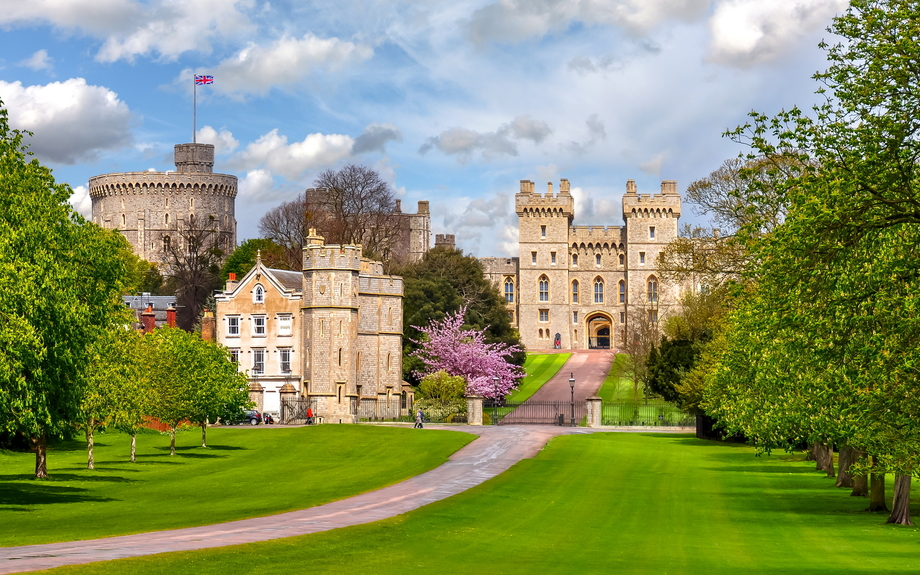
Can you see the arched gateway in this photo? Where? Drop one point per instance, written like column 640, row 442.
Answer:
column 599, row 331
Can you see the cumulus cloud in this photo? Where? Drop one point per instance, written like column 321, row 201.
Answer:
column 653, row 166
column 70, row 120
column 223, row 141
column 483, row 217
column 593, row 207
column 465, row 142
column 166, row 28
column 749, row 32
column 512, row 21
column 596, row 133
column 375, row 138
column 293, row 160
column 81, row 201
column 38, row 61
column 258, row 68
column 257, row 185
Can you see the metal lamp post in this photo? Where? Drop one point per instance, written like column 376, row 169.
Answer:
column 495, row 381
column 572, row 385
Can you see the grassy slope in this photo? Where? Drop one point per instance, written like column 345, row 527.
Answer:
column 617, row 388
column 540, row 368
column 604, row 503
column 246, row 472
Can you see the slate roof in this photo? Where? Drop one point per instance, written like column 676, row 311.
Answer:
column 290, row 280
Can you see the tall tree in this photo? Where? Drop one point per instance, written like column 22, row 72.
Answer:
column 244, row 256
column 60, row 280
column 193, row 256
column 288, row 226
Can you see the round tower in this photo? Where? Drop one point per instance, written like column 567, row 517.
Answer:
column 151, row 209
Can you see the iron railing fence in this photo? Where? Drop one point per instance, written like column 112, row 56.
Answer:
column 294, row 410
column 655, row 414
column 533, row 413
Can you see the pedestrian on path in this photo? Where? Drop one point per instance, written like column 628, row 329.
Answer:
column 419, row 416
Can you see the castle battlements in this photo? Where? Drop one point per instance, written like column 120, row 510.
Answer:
column 529, row 203
column 596, row 233
column 663, row 205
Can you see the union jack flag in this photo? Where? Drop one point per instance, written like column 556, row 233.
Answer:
column 202, row 80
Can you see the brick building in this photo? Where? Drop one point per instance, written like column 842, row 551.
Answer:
column 333, row 331
column 577, row 287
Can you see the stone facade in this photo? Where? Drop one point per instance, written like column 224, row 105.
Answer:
column 149, row 208
column 343, row 330
column 414, row 233
column 576, row 287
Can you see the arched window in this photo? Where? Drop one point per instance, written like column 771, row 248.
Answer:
column 652, row 289
column 622, row 291
column 544, row 288
column 541, row 333
column 575, row 291
column 622, row 259
column 258, row 295
column 165, row 243
column 597, row 259
column 509, row 290
column 166, row 219
column 124, row 220
column 388, row 362
column 598, row 290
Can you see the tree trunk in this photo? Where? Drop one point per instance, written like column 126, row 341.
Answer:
column 847, row 458
column 900, row 504
column 877, row 490
column 810, row 454
column 90, row 443
column 172, row 440
column 860, row 486
column 204, row 433
column 40, row 445
column 133, row 448
column 824, row 455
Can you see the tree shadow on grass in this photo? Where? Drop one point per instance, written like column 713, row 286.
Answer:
column 30, row 494
column 193, row 452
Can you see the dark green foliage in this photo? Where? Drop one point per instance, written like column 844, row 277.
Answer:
column 243, row 257
column 440, row 283
column 667, row 363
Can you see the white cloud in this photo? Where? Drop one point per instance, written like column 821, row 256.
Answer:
column 256, row 69
column 93, row 16
column 483, row 218
column 512, row 21
column 81, row 201
column 256, row 185
column 465, row 142
column 596, row 133
column 223, row 141
column 375, row 138
column 38, row 61
column 747, row 32
column 595, row 208
column 653, row 166
column 70, row 120
column 293, row 160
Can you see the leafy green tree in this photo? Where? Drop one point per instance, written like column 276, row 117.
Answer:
column 243, row 257
column 442, row 282
column 60, row 280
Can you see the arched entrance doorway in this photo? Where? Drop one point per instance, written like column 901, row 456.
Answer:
column 599, row 331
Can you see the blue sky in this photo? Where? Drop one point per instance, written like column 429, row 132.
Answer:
column 452, row 101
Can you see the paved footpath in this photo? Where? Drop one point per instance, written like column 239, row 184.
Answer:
column 496, row 450
column 589, row 367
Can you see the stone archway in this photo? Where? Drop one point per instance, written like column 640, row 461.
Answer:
column 599, row 331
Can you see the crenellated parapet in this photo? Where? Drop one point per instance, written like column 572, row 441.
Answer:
column 528, row 203
column 663, row 205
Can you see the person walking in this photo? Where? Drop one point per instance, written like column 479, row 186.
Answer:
column 418, row 419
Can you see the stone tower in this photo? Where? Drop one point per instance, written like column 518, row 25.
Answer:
column 151, row 208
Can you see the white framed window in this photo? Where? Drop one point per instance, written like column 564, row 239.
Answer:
column 258, row 325
column 285, row 325
column 258, row 361
column 544, row 315
column 598, row 290
column 235, row 356
column 544, row 288
column 258, row 294
column 233, row 325
column 284, row 357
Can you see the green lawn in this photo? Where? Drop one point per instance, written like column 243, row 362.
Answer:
column 540, row 368
column 602, row 503
column 246, row 472
column 615, row 387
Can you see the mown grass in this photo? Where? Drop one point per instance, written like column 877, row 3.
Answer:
column 601, row 503
column 245, row 472
column 617, row 386
column 540, row 368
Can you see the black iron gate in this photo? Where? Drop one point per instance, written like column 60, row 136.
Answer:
column 294, row 410
column 533, row 413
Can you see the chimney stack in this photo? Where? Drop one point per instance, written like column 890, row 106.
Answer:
column 148, row 319
column 208, row 326
column 231, row 282
column 171, row 315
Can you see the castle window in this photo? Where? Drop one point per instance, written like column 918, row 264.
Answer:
column 166, row 243
column 124, row 220
column 285, row 324
column 597, row 260
column 167, row 202
column 258, row 295
column 651, row 232
column 541, row 333
column 653, row 316
column 574, row 317
column 511, row 316
column 191, row 203
column 575, row 291
column 552, row 257
column 598, row 290
column 652, row 290
column 641, row 257
column 166, row 219
column 622, row 317
column 258, row 325
column 233, row 326
column 258, row 361
column 544, row 288
column 285, row 358
column 622, row 291
column 574, row 259
column 509, row 290
column 235, row 356
column 622, row 259
column 389, row 361
column 340, row 357
column 322, row 328
column 542, row 231
column 544, row 315
column 533, row 258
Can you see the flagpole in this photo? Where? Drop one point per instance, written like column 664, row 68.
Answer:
column 194, row 109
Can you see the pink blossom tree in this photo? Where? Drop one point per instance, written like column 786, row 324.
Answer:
column 446, row 345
